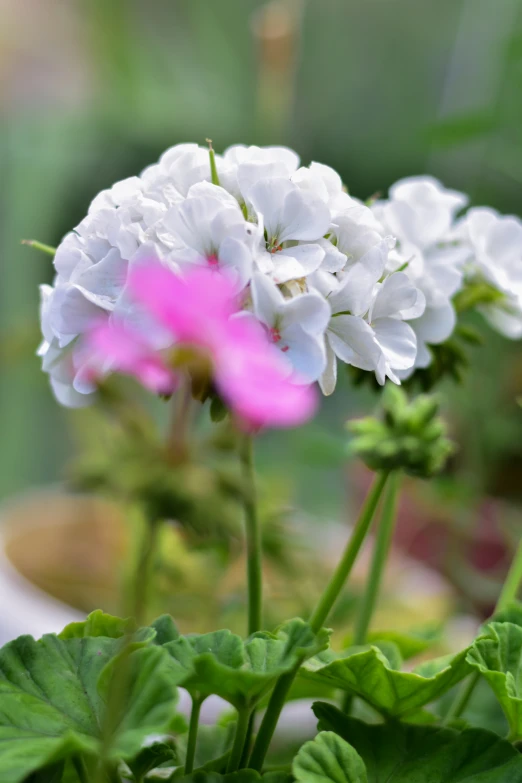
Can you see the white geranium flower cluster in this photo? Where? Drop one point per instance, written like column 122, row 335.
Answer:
column 330, row 277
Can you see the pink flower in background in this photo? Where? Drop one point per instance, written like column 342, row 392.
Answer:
column 115, row 346
column 197, row 309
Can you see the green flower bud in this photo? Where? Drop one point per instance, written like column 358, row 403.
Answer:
column 409, row 436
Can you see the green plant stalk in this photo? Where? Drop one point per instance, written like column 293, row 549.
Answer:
column 318, row 618
column 380, row 556
column 142, row 574
column 80, row 769
column 243, row 720
column 343, row 570
column 192, row 735
column 508, row 594
column 253, row 537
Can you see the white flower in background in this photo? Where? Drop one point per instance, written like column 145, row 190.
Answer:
column 330, row 278
column 295, row 325
column 420, row 213
column 289, row 214
column 496, row 247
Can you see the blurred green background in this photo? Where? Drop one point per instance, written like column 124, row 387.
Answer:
column 94, row 90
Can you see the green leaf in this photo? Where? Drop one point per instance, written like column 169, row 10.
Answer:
column 410, row 644
column 52, row 708
column 165, row 628
column 396, row 752
column 99, row 624
column 329, row 759
column 511, row 614
column 243, row 776
column 369, row 675
column 161, row 750
column 497, row 657
column 240, row 672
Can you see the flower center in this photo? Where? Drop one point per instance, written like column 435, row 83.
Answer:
column 212, row 260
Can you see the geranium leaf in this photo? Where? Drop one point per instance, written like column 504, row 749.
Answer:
column 240, row 672
column 52, row 708
column 329, row 759
column 512, row 613
column 99, row 624
column 497, row 656
column 165, row 628
column 396, row 752
column 369, row 674
column 243, row 776
column 409, row 644
column 158, row 750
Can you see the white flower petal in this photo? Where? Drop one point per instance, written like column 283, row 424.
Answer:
column 397, row 341
column 396, row 293
column 328, row 379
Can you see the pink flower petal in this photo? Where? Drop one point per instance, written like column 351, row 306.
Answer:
column 119, row 348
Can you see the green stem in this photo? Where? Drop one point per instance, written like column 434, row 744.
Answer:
column 51, row 251
column 462, row 698
column 234, row 761
column 512, row 582
column 318, row 618
column 380, row 556
column 213, row 168
column 81, row 769
column 341, row 573
column 142, row 575
column 508, row 594
column 192, row 735
column 253, row 538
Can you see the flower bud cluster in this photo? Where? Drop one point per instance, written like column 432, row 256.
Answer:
column 410, row 436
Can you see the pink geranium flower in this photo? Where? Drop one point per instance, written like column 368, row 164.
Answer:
column 200, row 309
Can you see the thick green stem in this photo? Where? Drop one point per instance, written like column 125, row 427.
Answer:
column 253, row 538
column 341, row 573
column 142, row 574
column 380, row 556
column 317, row 619
column 192, row 735
column 508, row 594
column 234, row 761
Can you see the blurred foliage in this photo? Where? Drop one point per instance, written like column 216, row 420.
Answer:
column 96, row 89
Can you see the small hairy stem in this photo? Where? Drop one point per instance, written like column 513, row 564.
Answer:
column 243, row 719
column 318, row 618
column 248, row 741
column 253, row 537
column 192, row 735
column 51, row 251
column 380, row 556
column 142, row 575
column 508, row 594
column 213, row 168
